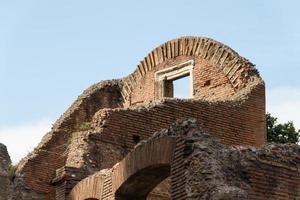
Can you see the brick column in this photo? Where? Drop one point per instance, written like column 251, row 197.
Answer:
column 66, row 178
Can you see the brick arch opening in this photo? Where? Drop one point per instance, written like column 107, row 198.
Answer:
column 143, row 169
column 135, row 176
column 90, row 188
column 139, row 185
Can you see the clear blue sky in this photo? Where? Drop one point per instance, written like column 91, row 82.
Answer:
column 50, row 51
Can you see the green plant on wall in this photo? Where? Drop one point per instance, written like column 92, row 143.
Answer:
column 12, row 172
column 85, row 126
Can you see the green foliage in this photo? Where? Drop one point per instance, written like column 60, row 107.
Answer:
column 281, row 133
column 11, row 172
column 85, row 126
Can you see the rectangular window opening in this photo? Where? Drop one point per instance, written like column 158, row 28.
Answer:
column 175, row 81
column 182, row 88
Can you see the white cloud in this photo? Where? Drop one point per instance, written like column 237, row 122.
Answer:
column 20, row 139
column 284, row 103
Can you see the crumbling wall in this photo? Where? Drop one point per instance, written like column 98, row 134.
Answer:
column 36, row 171
column 201, row 167
column 113, row 131
column 5, row 172
column 273, row 172
column 105, row 94
column 216, row 171
column 88, row 153
column 229, row 100
column 241, row 122
column 104, row 124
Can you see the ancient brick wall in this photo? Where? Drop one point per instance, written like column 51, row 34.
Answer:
column 105, row 94
column 157, row 166
column 177, row 173
column 210, row 83
column 200, row 167
column 93, row 187
column 217, row 171
column 273, row 172
column 36, row 171
column 89, row 153
column 240, row 123
column 5, row 181
column 111, row 117
column 218, row 71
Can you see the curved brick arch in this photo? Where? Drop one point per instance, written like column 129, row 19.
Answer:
column 143, row 169
column 89, row 188
column 238, row 70
column 134, row 177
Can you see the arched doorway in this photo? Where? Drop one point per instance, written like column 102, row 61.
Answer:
column 138, row 173
column 143, row 169
column 139, row 185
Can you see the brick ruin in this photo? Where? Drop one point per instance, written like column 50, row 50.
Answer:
column 131, row 139
column 199, row 166
column 5, row 163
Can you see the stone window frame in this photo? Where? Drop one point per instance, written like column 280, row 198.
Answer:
column 164, row 79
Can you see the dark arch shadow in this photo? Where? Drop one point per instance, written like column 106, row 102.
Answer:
column 140, row 184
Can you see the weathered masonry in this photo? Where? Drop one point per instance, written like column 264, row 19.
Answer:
column 199, row 167
column 116, row 140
